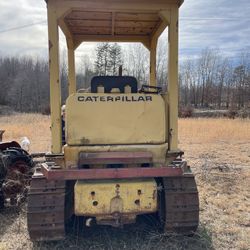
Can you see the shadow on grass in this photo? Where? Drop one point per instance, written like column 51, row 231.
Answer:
column 145, row 234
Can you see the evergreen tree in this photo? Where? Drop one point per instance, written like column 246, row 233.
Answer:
column 115, row 58
column 102, row 63
column 108, row 59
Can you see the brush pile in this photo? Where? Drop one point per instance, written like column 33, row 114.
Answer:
column 15, row 174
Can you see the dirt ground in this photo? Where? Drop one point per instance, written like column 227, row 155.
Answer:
column 218, row 151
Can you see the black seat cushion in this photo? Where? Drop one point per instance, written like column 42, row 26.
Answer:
column 110, row 82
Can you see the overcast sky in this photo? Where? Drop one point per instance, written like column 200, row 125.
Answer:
column 223, row 24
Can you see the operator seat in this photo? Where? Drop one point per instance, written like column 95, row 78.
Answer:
column 113, row 82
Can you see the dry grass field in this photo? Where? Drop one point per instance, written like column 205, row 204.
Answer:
column 218, row 151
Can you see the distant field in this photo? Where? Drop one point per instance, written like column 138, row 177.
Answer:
column 35, row 126
column 218, row 151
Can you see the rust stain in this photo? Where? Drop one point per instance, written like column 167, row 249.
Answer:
column 84, row 140
column 154, row 194
column 117, row 190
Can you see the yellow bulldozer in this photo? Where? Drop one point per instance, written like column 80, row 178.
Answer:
column 121, row 157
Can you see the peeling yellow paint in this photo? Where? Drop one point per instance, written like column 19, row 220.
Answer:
column 105, row 197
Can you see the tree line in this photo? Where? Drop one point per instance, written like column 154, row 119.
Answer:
column 216, row 81
column 24, row 83
column 212, row 80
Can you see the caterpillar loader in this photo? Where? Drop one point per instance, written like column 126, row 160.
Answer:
column 121, row 157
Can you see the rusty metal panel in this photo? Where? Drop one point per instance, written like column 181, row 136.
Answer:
column 110, row 173
column 115, row 197
column 46, row 212
column 181, row 204
column 115, row 158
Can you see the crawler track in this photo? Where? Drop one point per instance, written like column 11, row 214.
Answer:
column 178, row 206
column 46, row 209
column 179, row 202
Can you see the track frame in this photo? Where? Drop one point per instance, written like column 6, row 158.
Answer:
column 49, row 209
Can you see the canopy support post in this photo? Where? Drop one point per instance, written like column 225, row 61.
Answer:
column 71, row 67
column 55, row 85
column 153, row 49
column 173, row 79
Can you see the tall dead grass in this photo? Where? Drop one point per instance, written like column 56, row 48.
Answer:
column 35, row 126
column 198, row 130
column 218, row 151
column 207, row 130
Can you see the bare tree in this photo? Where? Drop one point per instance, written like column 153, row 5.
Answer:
column 162, row 61
column 86, row 74
column 136, row 61
column 206, row 69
